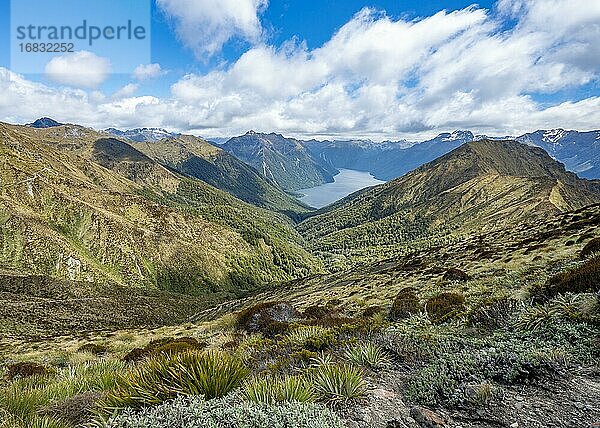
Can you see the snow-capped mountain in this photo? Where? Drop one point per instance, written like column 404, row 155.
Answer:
column 142, row 134
column 579, row 151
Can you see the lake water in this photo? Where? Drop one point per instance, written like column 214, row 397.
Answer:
column 346, row 182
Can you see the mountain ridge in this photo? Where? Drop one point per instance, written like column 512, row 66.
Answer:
column 484, row 185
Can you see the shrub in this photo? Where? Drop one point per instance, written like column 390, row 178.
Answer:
column 371, row 311
column 456, row 275
column 25, row 369
column 165, row 345
column 311, row 337
column 317, row 312
column 493, row 313
column 444, row 306
column 405, row 304
column 211, row 374
column 581, row 279
column 270, row 318
column 367, row 355
column 93, row 348
column 338, row 383
column 77, row 410
column 278, row 389
column 590, row 248
column 571, row 307
column 194, row 412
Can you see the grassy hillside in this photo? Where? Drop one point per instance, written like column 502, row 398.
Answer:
column 77, row 205
column 199, row 159
column 479, row 186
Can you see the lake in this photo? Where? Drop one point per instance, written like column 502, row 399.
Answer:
column 346, row 182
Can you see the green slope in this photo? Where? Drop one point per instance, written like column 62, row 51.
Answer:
column 77, row 205
column 479, row 186
column 199, row 159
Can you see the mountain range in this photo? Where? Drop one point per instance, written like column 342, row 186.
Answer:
column 296, row 164
column 285, row 162
column 481, row 185
column 141, row 134
column 78, row 205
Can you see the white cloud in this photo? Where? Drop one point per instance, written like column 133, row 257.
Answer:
column 126, row 91
column 148, row 71
column 81, row 69
column 206, row 25
column 376, row 77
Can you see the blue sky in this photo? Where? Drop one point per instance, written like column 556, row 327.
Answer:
column 376, row 69
column 312, row 21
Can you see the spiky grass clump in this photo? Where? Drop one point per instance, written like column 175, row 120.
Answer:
column 367, row 355
column 338, row 383
column 210, row 374
column 571, row 307
column 21, row 401
column 311, row 337
column 279, row 389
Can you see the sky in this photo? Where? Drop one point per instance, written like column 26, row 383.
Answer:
column 383, row 70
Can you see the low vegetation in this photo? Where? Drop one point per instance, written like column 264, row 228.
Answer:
column 194, row 412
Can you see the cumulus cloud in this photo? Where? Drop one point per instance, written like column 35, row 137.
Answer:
column 381, row 78
column 148, row 71
column 81, row 69
column 126, row 91
column 206, row 25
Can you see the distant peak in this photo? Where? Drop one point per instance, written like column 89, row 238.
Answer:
column 45, row 122
column 456, row 135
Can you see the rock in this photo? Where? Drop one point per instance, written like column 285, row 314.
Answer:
column 383, row 394
column 395, row 424
column 427, row 418
column 514, row 425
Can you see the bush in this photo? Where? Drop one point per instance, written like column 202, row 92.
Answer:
column 590, row 248
column 318, row 312
column 278, row 389
column 571, row 307
column 456, row 275
column 25, row 369
column 338, row 383
column 493, row 313
column 31, row 401
column 194, row 412
column 371, row 311
column 311, row 337
column 444, row 306
column 581, row 279
column 405, row 304
column 367, row 355
column 270, row 318
column 77, row 410
column 93, row 348
column 165, row 345
column 211, row 374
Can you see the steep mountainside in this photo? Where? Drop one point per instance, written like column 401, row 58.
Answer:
column 481, row 185
column 579, row 151
column 283, row 161
column 77, row 205
column 387, row 160
column 199, row 159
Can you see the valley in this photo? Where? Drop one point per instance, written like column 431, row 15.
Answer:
column 450, row 295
